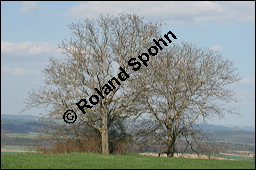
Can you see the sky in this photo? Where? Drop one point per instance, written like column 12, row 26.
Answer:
column 31, row 32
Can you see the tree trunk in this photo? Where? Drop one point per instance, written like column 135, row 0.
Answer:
column 170, row 150
column 104, row 135
column 170, row 142
column 170, row 146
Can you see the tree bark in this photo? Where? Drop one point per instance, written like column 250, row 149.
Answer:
column 104, row 135
column 170, row 150
column 170, row 147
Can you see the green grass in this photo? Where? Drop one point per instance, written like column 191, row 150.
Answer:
column 9, row 152
column 131, row 161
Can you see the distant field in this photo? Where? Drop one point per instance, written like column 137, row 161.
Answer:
column 131, row 161
column 236, row 157
column 23, row 148
column 21, row 135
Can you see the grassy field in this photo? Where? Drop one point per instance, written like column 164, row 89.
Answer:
column 245, row 158
column 97, row 161
column 11, row 147
column 20, row 135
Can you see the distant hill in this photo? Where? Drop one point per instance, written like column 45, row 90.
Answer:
column 220, row 127
column 218, row 133
column 20, row 118
column 19, row 123
column 229, row 134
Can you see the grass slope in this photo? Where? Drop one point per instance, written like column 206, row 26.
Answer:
column 97, row 161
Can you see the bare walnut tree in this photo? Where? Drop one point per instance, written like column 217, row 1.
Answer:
column 186, row 85
column 94, row 53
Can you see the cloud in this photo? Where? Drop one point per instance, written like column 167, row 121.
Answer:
column 171, row 12
column 29, row 7
column 35, row 83
column 216, row 47
column 247, row 81
column 28, row 48
column 239, row 11
column 18, row 71
column 245, row 90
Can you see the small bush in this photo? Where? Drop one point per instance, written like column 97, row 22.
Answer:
column 42, row 149
column 86, row 145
